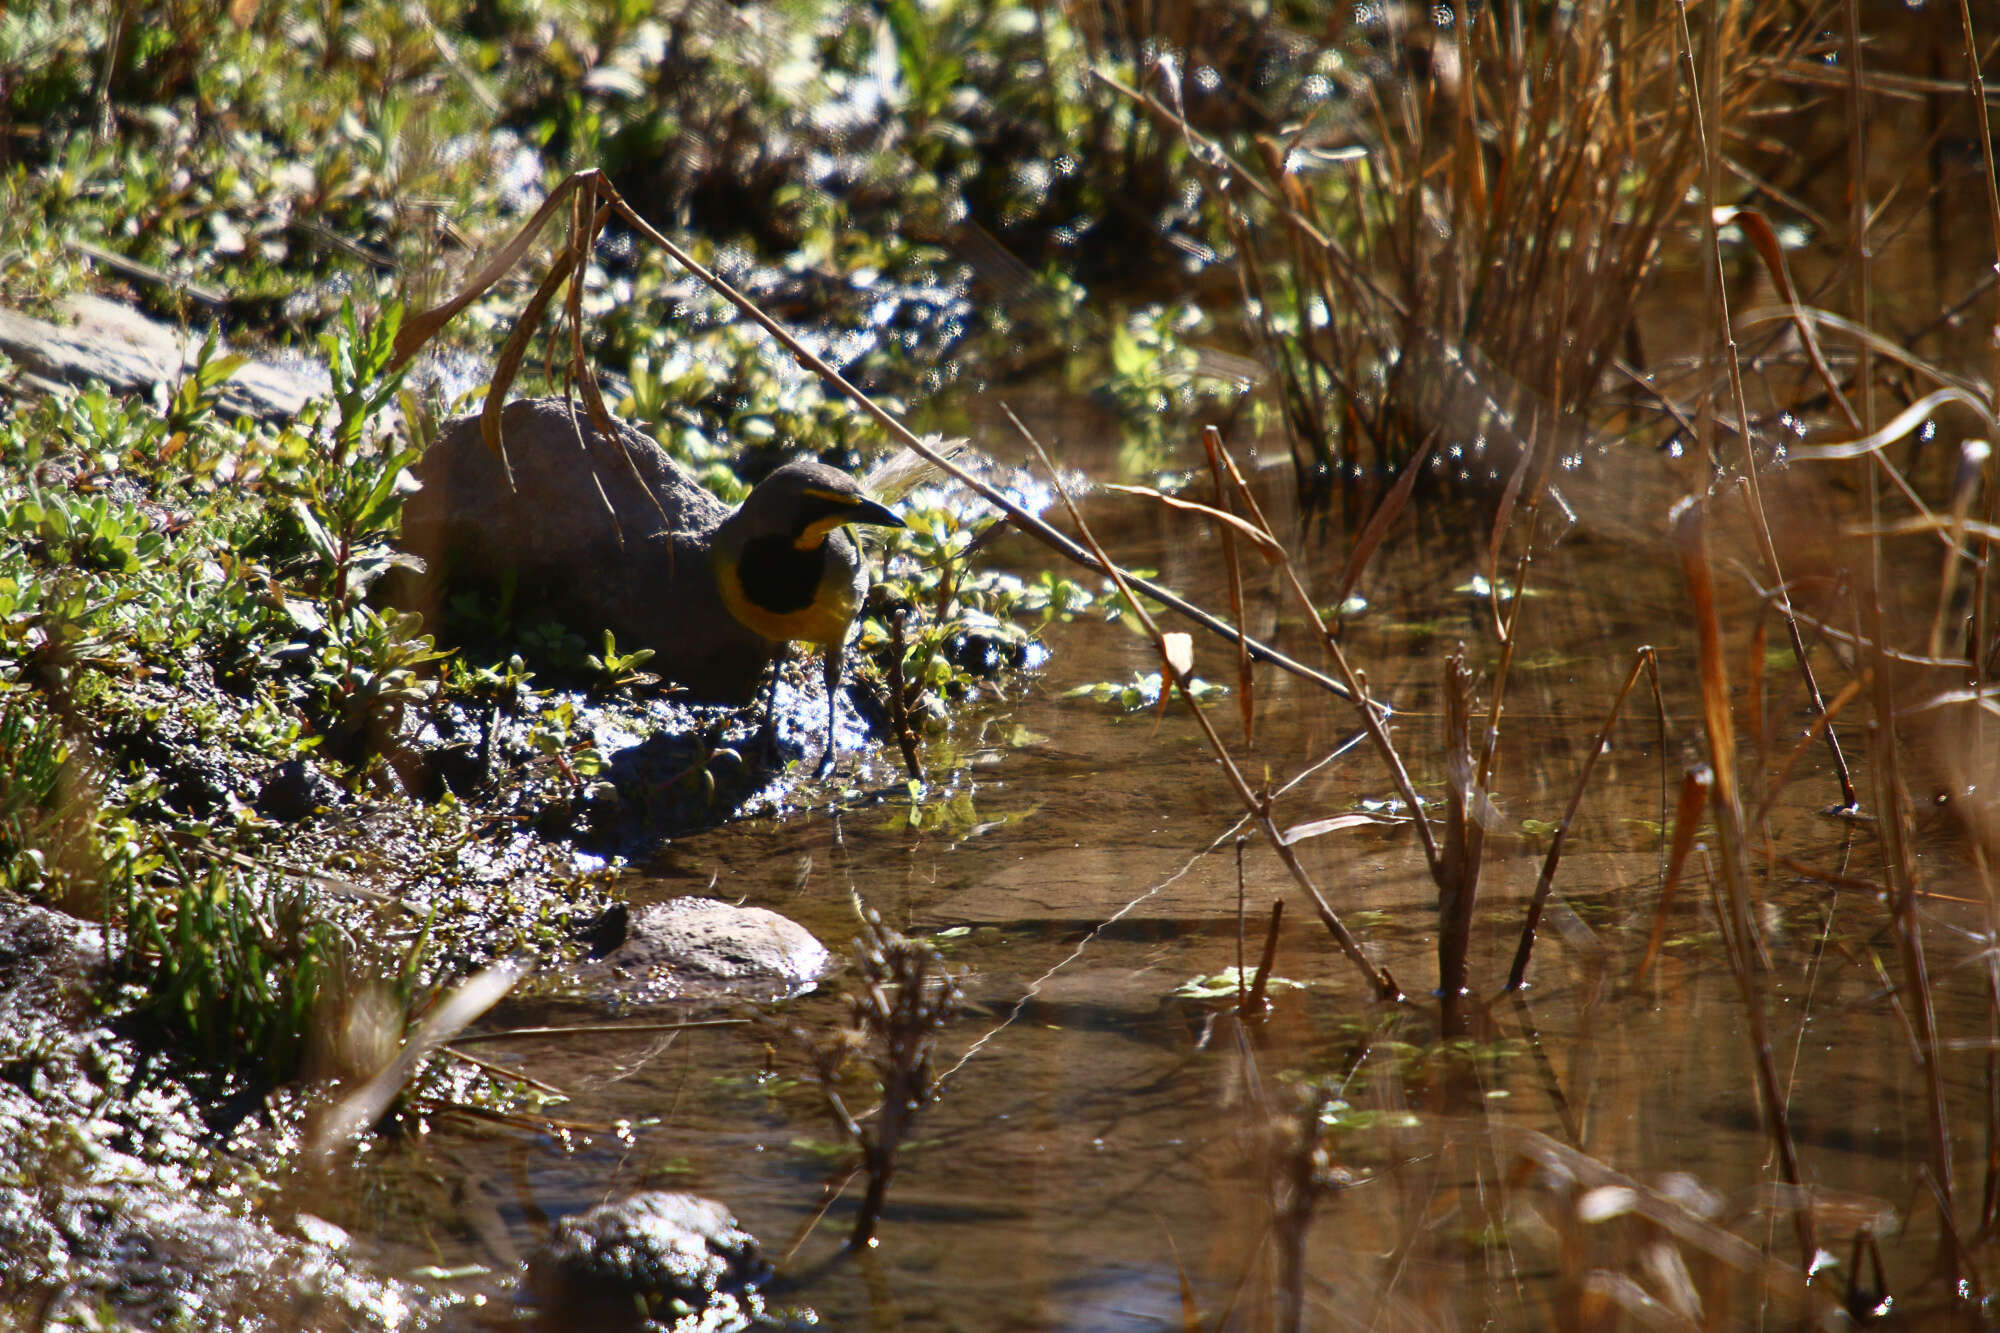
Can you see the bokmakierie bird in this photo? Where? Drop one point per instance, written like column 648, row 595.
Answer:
column 613, row 533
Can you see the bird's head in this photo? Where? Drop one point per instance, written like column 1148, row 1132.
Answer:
column 803, row 502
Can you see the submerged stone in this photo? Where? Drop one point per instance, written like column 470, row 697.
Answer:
column 653, row 1260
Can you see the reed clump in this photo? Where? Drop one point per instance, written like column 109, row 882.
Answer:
column 1454, row 250
column 1464, row 270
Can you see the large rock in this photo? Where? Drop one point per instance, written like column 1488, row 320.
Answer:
column 649, row 1261
column 49, row 965
column 604, row 537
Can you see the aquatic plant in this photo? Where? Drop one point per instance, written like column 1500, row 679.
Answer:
column 905, row 1000
column 1453, row 246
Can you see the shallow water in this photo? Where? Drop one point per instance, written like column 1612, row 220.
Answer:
column 1099, row 1140
column 1104, row 1151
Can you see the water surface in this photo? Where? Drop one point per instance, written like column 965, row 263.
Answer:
column 1100, row 1139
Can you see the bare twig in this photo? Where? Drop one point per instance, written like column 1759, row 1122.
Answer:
column 1377, row 977
column 1642, row 660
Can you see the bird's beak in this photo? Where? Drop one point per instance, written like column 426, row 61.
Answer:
column 867, row 511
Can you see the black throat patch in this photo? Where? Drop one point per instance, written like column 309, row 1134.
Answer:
column 778, row 576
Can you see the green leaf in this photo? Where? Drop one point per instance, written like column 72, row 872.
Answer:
column 317, row 536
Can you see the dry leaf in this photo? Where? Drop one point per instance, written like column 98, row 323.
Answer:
column 1267, row 546
column 1315, row 828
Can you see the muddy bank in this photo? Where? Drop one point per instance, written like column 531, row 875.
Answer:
column 117, row 1196
column 133, row 1183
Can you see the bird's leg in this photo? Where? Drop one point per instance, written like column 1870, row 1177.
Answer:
column 832, row 662
column 767, row 733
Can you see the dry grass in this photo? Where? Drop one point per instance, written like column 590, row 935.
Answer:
column 1460, row 258
column 1473, row 280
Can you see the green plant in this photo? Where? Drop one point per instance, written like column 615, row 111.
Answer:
column 944, row 620
column 616, row 670
column 59, row 631
column 558, row 646
column 554, row 734
column 1144, row 690
column 930, row 68
column 365, row 672
column 354, row 487
column 86, row 531
column 272, row 155
column 244, row 971
column 1156, row 381
column 200, row 391
column 48, row 811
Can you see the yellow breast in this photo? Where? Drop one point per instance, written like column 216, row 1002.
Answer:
column 822, row 619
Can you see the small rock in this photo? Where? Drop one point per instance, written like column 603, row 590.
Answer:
column 49, row 964
column 104, row 342
column 295, row 790
column 699, row 947
column 652, row 1260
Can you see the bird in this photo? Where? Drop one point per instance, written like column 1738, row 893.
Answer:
column 786, row 569
column 608, row 532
